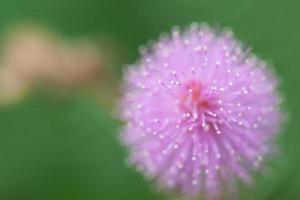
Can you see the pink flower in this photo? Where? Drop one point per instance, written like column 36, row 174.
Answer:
column 200, row 112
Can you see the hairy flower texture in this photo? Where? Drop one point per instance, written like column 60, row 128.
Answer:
column 200, row 112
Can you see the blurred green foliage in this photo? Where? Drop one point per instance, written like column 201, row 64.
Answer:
column 67, row 148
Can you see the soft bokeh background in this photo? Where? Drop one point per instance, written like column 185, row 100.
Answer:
column 62, row 144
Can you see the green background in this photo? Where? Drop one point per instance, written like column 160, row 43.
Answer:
column 66, row 148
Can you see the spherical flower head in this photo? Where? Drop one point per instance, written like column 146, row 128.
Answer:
column 200, row 112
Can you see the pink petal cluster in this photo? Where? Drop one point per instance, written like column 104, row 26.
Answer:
column 200, row 112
